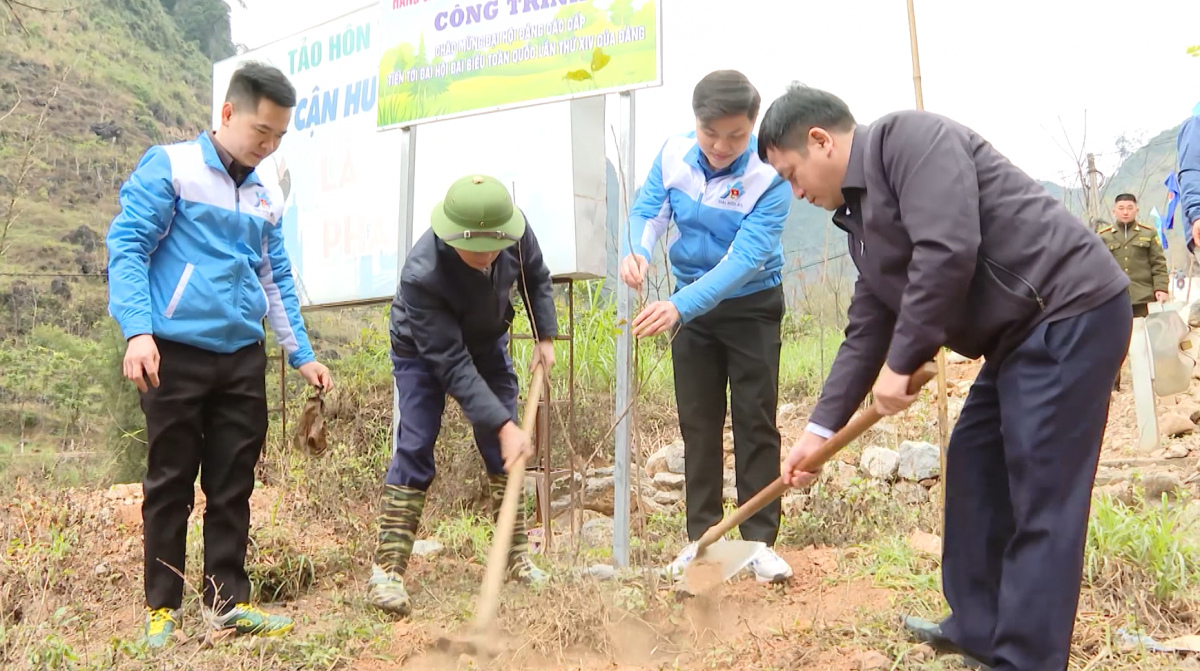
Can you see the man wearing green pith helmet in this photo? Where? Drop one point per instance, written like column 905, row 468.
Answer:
column 449, row 332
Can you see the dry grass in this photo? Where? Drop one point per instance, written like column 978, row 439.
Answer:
column 62, row 611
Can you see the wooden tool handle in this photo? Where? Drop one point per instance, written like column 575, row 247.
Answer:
column 853, row 429
column 489, row 596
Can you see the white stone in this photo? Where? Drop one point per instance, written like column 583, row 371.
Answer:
column 880, row 462
column 427, row 548
column 919, row 461
column 669, row 481
column 668, row 459
column 668, row 497
column 602, row 572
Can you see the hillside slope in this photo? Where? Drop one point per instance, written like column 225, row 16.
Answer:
column 89, row 89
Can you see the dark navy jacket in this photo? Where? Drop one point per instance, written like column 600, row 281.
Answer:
column 445, row 311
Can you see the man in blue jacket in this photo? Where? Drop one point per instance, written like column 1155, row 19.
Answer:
column 196, row 261
column 729, row 208
column 1188, row 144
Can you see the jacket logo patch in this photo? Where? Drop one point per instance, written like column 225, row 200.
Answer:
column 263, row 205
column 731, row 195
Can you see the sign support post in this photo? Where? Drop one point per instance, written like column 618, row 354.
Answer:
column 624, row 407
column 404, row 241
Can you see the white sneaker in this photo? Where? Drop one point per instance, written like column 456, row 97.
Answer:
column 770, row 567
column 674, row 570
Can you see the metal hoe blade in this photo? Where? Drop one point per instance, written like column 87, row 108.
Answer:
column 728, row 557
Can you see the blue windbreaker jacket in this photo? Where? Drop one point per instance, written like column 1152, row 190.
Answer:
column 1188, row 144
column 195, row 259
column 728, row 224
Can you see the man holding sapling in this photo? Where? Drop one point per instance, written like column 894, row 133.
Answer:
column 729, row 208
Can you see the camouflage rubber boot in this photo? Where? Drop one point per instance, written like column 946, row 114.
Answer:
column 402, row 508
column 520, row 567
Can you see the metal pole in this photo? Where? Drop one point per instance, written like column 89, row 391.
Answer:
column 404, row 241
column 943, row 411
column 623, row 433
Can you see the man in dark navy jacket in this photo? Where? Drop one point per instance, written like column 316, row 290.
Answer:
column 957, row 247
column 449, row 331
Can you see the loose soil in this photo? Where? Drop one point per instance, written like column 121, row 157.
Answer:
column 814, row 622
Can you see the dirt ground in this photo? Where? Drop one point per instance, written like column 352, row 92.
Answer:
column 77, row 554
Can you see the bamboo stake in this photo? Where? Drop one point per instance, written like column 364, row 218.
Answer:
column 943, row 413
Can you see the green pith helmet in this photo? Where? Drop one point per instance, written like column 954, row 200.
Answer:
column 478, row 216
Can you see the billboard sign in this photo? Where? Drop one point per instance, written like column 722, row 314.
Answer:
column 339, row 175
column 441, row 59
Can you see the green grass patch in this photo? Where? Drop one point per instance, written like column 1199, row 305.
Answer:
column 1143, row 550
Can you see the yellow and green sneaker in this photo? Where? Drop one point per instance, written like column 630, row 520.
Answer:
column 160, row 625
column 247, row 619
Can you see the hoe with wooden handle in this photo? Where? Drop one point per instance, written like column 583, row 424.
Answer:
column 481, row 639
column 729, row 557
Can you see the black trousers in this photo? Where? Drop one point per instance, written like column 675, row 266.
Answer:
column 208, row 415
column 736, row 344
column 1019, row 474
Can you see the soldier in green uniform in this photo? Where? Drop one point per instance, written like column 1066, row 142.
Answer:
column 1137, row 250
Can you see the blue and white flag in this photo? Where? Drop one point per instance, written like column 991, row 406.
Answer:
column 1158, row 226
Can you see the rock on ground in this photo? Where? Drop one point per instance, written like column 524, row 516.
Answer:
column 1118, row 491
column 598, row 497
column 598, row 533
column 935, row 493
column 925, row 542
column 909, row 493
column 919, row 461
column 1175, row 424
column 669, row 497
column 880, row 462
column 602, row 572
column 840, row 474
column 955, row 357
column 1157, row 484
column 669, row 481
column 668, row 459
column 426, row 547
